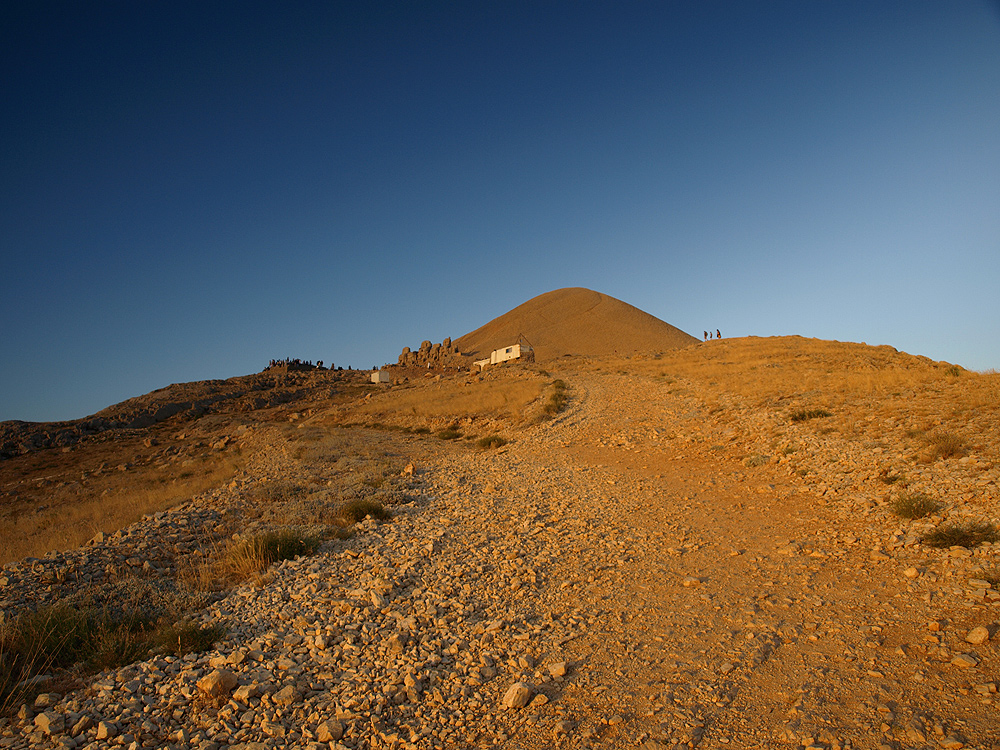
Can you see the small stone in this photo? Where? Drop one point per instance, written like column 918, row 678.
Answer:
column 953, row 742
column 978, row 635
column 563, row 727
column 911, row 573
column 287, row 696
column 106, row 730
column 518, row 695
column 50, row 722
column 244, row 693
column 330, row 731
column 46, row 700
column 217, row 684
column 82, row 725
column 558, row 669
column 965, row 661
column 689, row 581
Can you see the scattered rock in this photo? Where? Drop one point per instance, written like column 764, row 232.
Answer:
column 518, row 695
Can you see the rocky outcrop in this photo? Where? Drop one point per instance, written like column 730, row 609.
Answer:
column 436, row 355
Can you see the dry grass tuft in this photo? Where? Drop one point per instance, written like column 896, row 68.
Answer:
column 944, row 445
column 60, row 638
column 914, row 505
column 968, row 534
column 803, row 415
column 357, row 510
column 491, row 441
column 247, row 559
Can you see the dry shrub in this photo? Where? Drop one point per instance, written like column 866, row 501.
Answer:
column 914, row 505
column 803, row 415
column 557, row 399
column 961, row 535
column 185, row 637
column 491, row 441
column 944, row 445
column 247, row 559
column 60, row 636
column 358, row 509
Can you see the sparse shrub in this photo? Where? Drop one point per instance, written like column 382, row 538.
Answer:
column 449, row 433
column 914, row 505
column 358, row 509
column 945, row 445
column 61, row 636
column 247, row 558
column 275, row 492
column 378, row 474
column 758, row 460
column 491, row 441
column 887, row 477
column 421, row 431
column 184, row 637
column 557, row 399
column 803, row 415
column 954, row 371
column 961, row 535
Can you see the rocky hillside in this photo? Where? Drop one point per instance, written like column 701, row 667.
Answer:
column 747, row 543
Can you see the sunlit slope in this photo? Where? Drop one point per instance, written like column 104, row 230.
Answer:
column 576, row 321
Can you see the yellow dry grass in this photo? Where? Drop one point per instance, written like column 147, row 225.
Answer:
column 861, row 385
column 71, row 523
column 453, row 399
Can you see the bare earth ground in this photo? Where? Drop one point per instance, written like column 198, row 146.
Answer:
column 669, row 563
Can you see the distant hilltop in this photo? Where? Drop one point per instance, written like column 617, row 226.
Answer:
column 565, row 321
column 575, row 321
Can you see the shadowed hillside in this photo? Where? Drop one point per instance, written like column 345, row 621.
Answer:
column 576, row 321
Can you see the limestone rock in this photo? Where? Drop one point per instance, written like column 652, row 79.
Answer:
column 330, row 731
column 978, row 635
column 217, row 684
column 50, row 722
column 965, row 661
column 287, row 696
column 558, row 669
column 518, row 695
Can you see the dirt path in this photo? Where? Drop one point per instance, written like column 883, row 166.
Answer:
column 721, row 606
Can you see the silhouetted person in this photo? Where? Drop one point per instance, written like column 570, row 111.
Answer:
column 717, row 334
column 706, row 335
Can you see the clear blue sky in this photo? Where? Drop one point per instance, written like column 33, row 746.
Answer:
column 188, row 189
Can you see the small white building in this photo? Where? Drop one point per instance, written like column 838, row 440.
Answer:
column 521, row 350
column 507, row 353
column 381, row 376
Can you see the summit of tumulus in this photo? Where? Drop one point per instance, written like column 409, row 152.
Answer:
column 575, row 321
